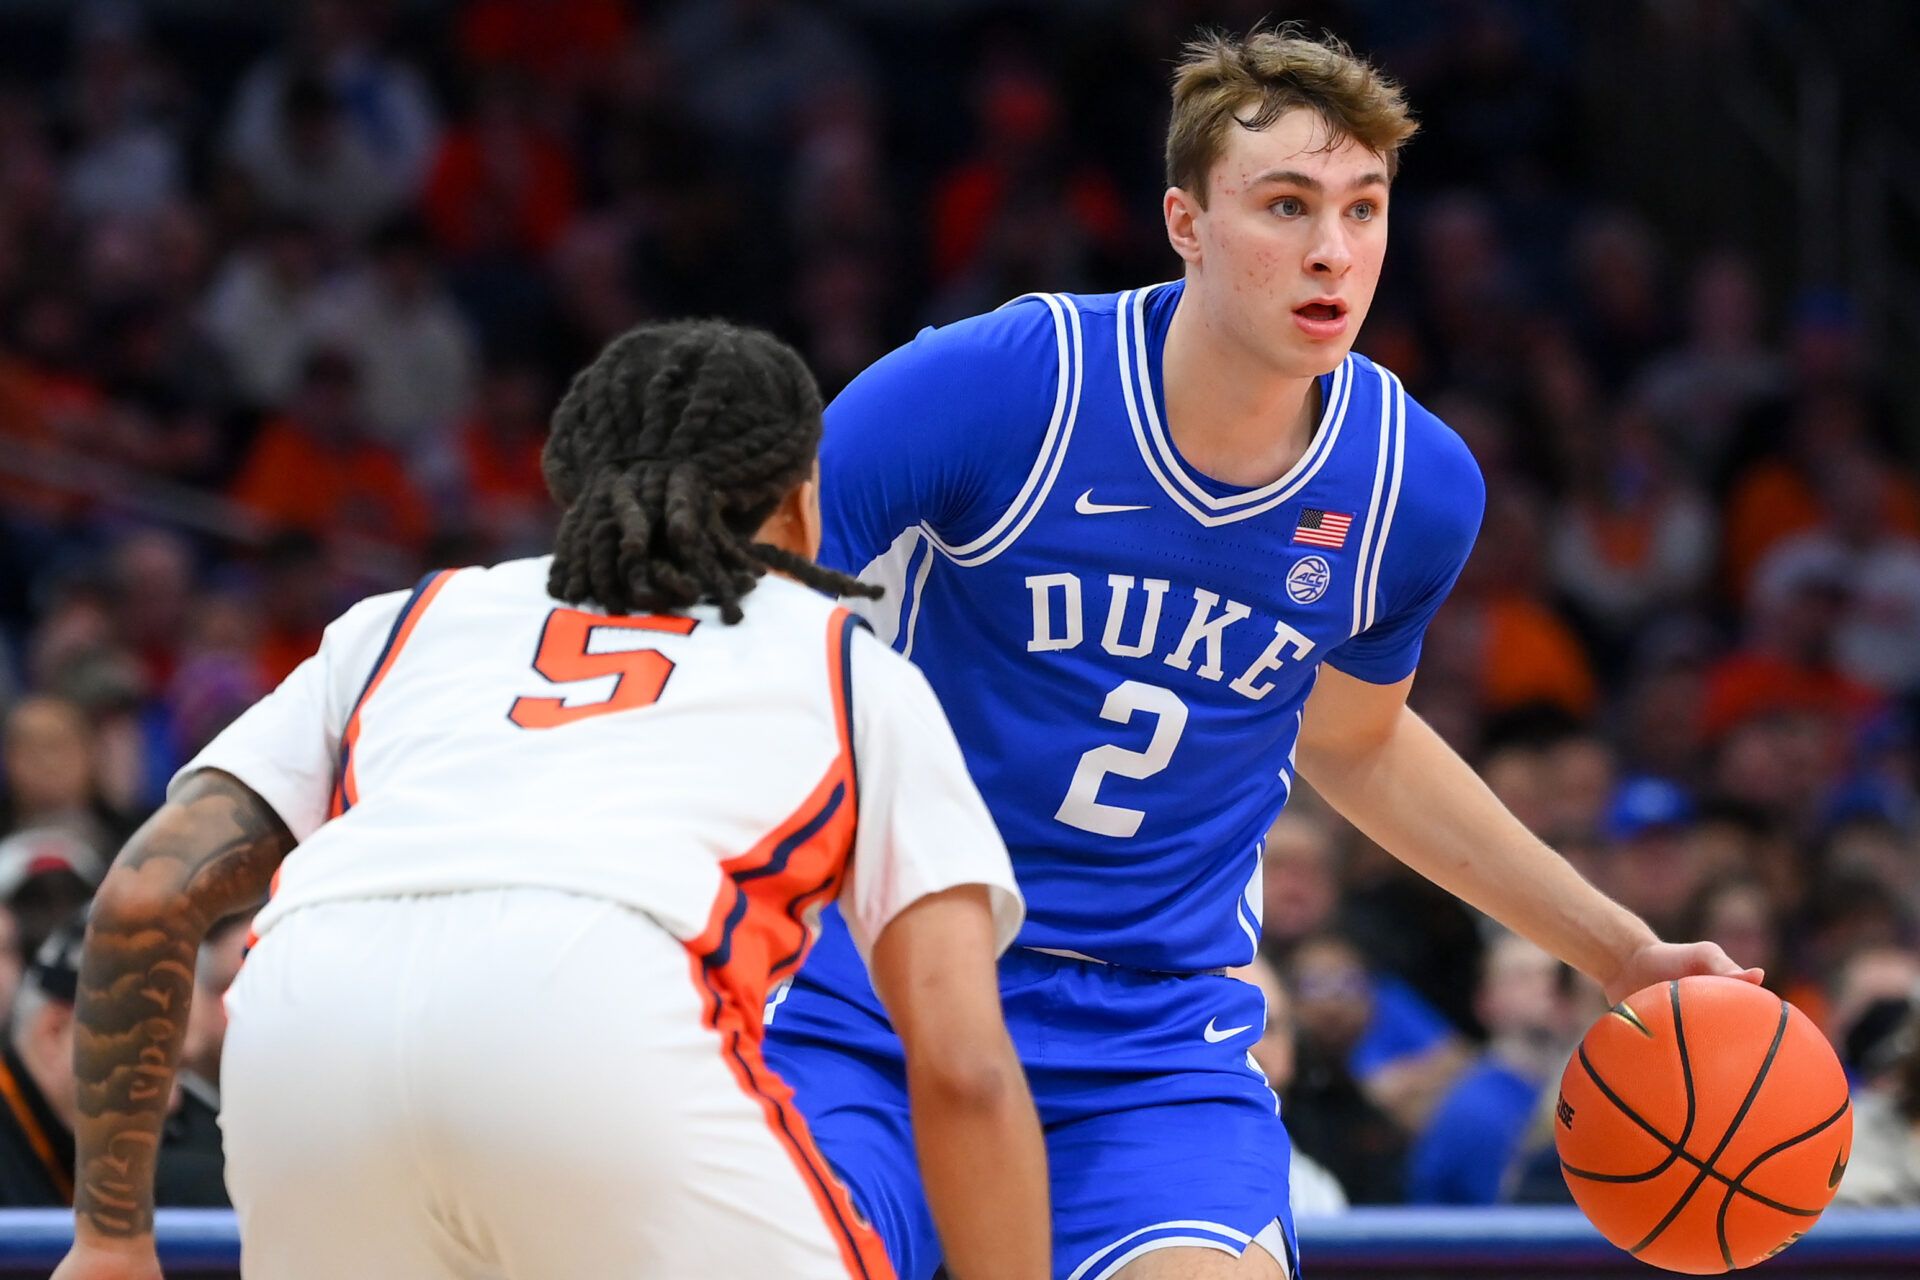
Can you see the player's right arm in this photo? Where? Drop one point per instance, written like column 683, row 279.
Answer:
column 931, row 903
column 982, row 1159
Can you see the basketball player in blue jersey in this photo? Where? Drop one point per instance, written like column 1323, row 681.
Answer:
column 1160, row 553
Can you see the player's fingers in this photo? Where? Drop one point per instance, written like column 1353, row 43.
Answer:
column 1709, row 958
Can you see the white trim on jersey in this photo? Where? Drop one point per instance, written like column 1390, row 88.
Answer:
column 1053, row 449
column 1393, row 495
column 889, row 570
column 1373, row 536
column 1251, row 908
column 1163, row 461
column 913, row 606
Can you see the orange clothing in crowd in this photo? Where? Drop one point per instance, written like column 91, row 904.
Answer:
column 1773, row 500
column 469, row 199
column 1749, row 684
column 282, row 649
column 354, row 488
column 969, row 200
column 502, row 471
column 552, row 40
column 1530, row 656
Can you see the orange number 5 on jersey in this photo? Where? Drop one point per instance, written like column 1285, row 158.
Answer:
column 639, row 674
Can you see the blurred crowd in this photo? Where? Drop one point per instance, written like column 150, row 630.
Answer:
column 285, row 300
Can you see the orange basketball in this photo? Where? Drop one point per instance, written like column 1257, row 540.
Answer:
column 1703, row 1125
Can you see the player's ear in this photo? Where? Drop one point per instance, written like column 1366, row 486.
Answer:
column 1181, row 208
column 808, row 495
column 795, row 523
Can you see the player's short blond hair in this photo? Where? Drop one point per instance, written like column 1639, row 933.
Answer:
column 1222, row 79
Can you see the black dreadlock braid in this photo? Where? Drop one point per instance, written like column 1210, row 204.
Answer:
column 667, row 453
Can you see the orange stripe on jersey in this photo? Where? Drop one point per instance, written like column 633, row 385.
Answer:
column 346, row 791
column 757, row 930
column 861, row 1250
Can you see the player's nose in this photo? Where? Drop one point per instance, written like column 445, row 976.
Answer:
column 1329, row 254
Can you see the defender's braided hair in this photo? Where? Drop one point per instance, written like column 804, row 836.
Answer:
column 667, row 453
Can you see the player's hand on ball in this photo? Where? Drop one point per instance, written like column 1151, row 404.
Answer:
column 1664, row 961
column 95, row 1262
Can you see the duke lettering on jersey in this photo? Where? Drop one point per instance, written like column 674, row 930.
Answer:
column 1206, row 625
column 1125, row 646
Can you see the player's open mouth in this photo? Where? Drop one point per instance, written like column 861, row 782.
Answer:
column 1321, row 319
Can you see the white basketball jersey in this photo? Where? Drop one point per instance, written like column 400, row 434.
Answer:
column 476, row 733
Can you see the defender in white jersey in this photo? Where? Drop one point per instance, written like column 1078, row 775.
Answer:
column 561, row 824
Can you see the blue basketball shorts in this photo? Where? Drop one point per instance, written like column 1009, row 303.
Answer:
column 1160, row 1130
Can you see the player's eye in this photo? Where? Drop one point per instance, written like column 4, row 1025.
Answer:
column 1364, row 211
column 1288, row 206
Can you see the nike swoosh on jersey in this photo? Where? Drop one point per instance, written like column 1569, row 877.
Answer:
column 1086, row 506
column 1224, row 1033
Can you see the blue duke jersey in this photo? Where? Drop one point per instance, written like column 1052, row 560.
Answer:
column 1124, row 645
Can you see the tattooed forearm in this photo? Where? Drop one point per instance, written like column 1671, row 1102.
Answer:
column 207, row 854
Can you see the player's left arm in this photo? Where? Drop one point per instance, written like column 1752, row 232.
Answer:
column 1385, row 769
column 210, row 851
column 1394, row 778
column 231, row 816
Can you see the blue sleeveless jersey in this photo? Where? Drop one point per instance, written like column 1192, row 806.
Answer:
column 1123, row 644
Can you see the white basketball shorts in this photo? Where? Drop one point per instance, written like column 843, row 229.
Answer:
column 520, row 1084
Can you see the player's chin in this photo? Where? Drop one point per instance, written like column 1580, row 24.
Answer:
column 1304, row 357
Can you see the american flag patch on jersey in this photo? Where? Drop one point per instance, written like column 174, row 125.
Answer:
column 1319, row 528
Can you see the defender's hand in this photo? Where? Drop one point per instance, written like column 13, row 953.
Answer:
column 128, row 1261
column 1663, row 961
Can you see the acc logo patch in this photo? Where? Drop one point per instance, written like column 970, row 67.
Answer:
column 1307, row 580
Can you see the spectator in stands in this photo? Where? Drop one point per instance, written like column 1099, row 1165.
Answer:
column 48, row 748
column 36, row 1077
column 46, row 874
column 412, row 346
column 1329, row 1114
column 1876, row 565
column 1501, row 637
column 1884, row 1165
column 262, row 309
column 1634, row 540
column 127, row 156
column 1652, row 867
column 1024, row 206
column 319, row 471
column 501, row 493
column 315, row 164
column 1738, row 913
column 1781, row 493
column 1463, row 1154
column 1313, row 1191
column 571, row 48
column 152, row 576
column 1704, row 392
column 501, row 178
column 220, row 671
column 1786, row 664
column 1300, row 879
column 745, row 67
column 1626, row 318
column 331, row 126
column 296, row 599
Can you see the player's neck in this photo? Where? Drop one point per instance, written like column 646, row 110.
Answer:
column 1230, row 415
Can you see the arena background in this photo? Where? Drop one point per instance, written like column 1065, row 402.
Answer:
column 286, row 291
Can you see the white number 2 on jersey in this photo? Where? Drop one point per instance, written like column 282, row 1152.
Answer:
column 1082, row 807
